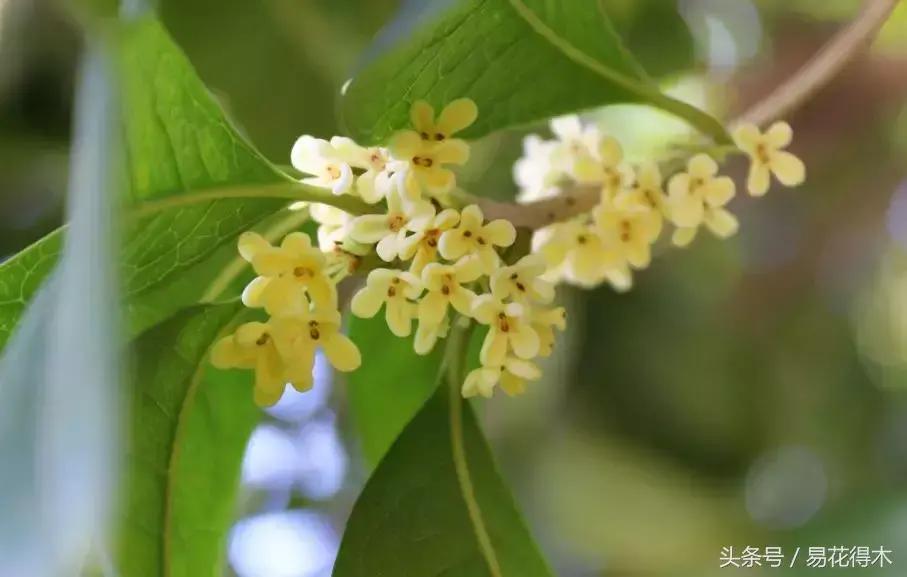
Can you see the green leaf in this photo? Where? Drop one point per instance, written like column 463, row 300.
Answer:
column 436, row 505
column 178, row 145
column 189, row 427
column 390, row 386
column 520, row 60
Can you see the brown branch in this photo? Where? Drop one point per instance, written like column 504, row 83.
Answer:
column 823, row 67
column 541, row 213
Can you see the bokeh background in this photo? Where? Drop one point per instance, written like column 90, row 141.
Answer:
column 747, row 392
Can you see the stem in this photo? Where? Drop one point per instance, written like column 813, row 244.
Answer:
column 286, row 190
column 823, row 67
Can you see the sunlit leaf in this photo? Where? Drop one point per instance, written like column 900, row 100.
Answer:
column 519, row 60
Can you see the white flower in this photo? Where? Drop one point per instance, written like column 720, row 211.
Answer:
column 535, row 172
column 376, row 180
column 326, row 165
column 389, row 230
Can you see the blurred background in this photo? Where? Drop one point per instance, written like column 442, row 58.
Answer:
column 747, row 392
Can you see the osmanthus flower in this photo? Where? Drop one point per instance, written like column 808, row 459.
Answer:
column 535, row 172
column 574, row 141
column 422, row 246
column 389, row 230
column 426, row 160
column 444, row 287
column 328, row 167
column 768, row 157
column 544, row 321
column 375, row 162
column 698, row 196
column 522, row 281
column 287, row 274
column 632, row 231
column 575, row 251
column 333, row 224
column 456, row 116
column 471, row 236
column 647, row 191
column 427, row 335
column 508, row 330
column 255, row 346
column 511, row 376
column 606, row 168
column 395, row 290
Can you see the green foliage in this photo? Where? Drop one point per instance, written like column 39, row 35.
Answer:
column 520, row 60
column 436, row 505
column 178, row 142
column 189, row 427
column 391, row 385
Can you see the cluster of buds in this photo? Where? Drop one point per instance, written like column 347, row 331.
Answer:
column 608, row 243
column 444, row 264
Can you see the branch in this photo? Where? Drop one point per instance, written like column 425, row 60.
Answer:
column 823, row 67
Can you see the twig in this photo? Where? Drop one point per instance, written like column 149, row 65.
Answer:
column 823, row 67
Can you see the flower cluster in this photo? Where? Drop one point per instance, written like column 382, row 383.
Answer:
column 444, row 264
column 635, row 200
column 439, row 258
column 296, row 291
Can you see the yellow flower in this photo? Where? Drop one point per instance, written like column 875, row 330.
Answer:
column 333, row 225
column 443, row 283
column 422, row 246
column 395, row 290
column 427, row 334
column 646, row 192
column 255, row 346
column 632, row 231
column 426, row 159
column 767, row 156
column 389, row 230
column 574, row 141
column 288, row 274
column 607, row 169
column 376, row 180
column 512, row 377
column 472, row 237
column 576, row 252
column 327, row 167
column 318, row 328
column 521, row 281
column 544, row 321
column 456, row 116
column 508, row 330
column 698, row 197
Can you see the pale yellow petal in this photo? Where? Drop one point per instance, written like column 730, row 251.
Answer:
column 406, row 144
column 779, row 135
column 225, row 354
column 369, row 228
column 462, row 299
column 399, row 317
column 789, row 169
column 252, row 294
column 720, row 191
column 432, row 308
column 758, row 179
column 436, row 179
column 251, row 243
column 452, row 245
column 367, row 302
column 494, row 348
column 322, row 292
column 524, row 341
column 702, row 166
column 485, row 308
column 683, row 236
column 342, row 353
column 453, row 151
column 721, row 222
column 422, row 116
column 610, row 151
column 499, row 232
column 272, row 262
column 284, row 296
column 457, row 115
column 747, row 137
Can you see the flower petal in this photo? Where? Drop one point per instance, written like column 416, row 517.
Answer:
column 342, row 353
column 369, row 228
column 789, row 169
column 457, row 115
column 367, row 302
column 422, row 116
